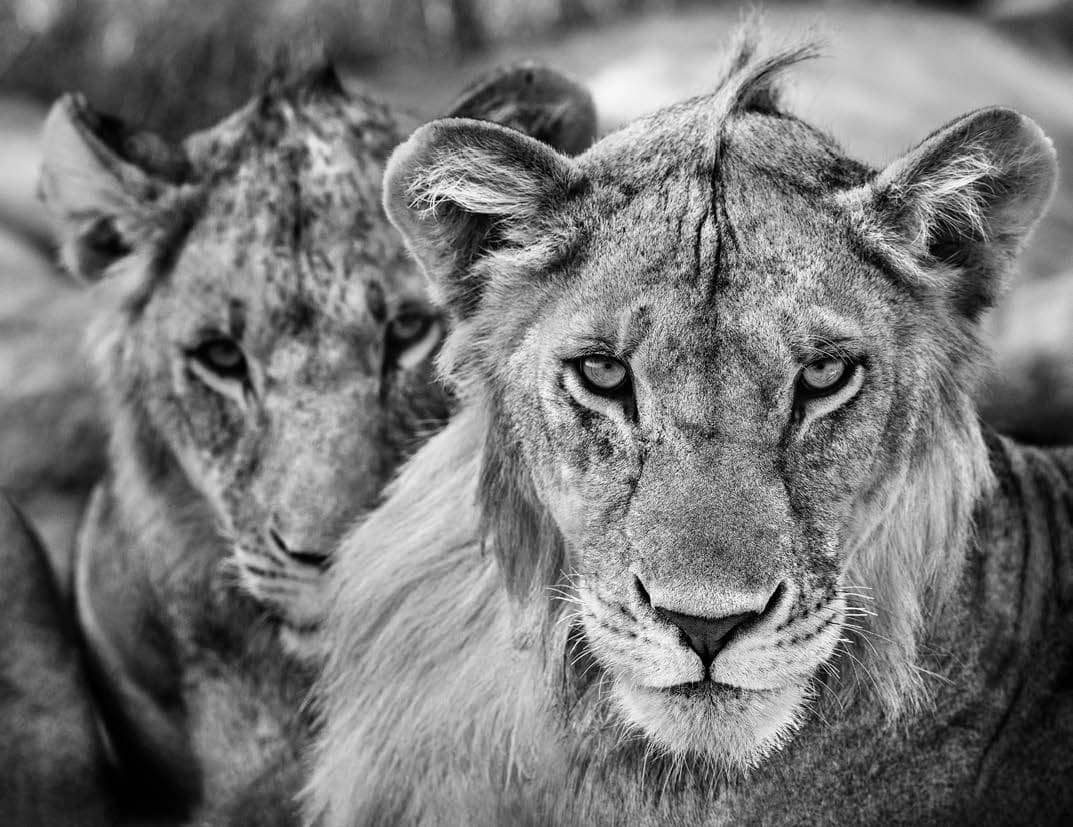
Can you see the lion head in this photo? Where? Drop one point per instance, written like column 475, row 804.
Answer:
column 267, row 323
column 725, row 376
column 269, row 336
column 263, row 352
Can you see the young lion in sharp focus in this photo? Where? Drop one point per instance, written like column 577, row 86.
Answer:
column 264, row 359
column 717, row 537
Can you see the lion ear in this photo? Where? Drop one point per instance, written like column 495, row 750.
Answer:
column 467, row 195
column 99, row 182
column 957, row 209
column 536, row 100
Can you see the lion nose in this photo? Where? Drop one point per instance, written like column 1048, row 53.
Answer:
column 705, row 635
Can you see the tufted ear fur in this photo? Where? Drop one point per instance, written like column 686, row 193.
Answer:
column 536, row 100
column 470, row 196
column 956, row 210
column 100, row 183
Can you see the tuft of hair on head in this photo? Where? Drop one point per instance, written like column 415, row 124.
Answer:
column 751, row 82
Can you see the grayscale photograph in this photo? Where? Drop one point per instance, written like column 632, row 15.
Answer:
column 537, row 413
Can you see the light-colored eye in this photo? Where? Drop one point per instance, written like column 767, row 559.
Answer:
column 603, row 374
column 824, row 375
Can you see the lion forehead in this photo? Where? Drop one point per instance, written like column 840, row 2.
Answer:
column 736, row 241
column 296, row 240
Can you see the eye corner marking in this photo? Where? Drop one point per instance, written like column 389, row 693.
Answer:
column 219, row 363
column 411, row 336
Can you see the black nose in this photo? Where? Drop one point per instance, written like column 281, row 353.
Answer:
column 705, row 635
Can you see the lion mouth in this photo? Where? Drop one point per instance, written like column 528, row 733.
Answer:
column 705, row 689
column 732, row 725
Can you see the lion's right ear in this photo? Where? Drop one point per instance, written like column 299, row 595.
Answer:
column 474, row 201
column 102, row 185
column 955, row 211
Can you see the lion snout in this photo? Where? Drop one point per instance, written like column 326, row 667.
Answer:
column 706, row 625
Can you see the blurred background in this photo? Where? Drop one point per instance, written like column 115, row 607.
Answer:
column 893, row 72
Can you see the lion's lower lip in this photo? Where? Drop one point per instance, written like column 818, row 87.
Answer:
column 703, row 689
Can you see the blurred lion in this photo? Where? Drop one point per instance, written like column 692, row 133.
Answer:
column 264, row 358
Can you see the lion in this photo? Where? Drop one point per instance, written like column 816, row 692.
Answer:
column 716, row 536
column 264, row 359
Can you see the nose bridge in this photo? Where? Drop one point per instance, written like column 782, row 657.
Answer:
column 326, row 463
column 708, row 525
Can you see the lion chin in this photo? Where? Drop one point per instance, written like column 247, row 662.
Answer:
column 733, row 728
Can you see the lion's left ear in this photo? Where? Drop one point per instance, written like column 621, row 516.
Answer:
column 535, row 100
column 102, row 184
column 957, row 209
column 472, row 199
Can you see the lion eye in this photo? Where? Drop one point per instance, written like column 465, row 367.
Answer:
column 824, row 376
column 603, row 374
column 408, row 327
column 223, row 357
column 412, row 337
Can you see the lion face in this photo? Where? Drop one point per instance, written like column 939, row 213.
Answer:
column 267, row 357
column 703, row 444
column 713, row 352
column 287, row 379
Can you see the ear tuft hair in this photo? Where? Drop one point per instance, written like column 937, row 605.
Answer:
column 475, row 182
column 955, row 211
column 466, row 193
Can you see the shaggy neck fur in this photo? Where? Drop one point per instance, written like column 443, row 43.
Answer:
column 906, row 548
